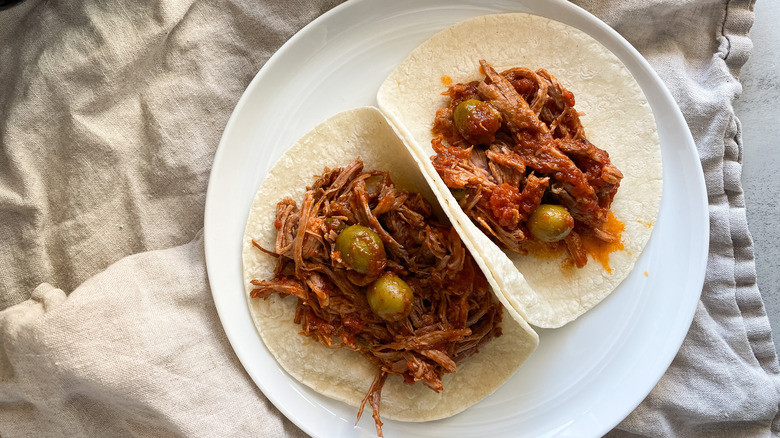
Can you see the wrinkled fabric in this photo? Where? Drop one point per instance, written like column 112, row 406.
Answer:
column 148, row 358
column 110, row 115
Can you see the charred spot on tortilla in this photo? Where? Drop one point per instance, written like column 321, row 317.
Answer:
column 512, row 150
column 374, row 272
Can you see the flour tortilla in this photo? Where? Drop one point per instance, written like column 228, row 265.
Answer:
column 617, row 119
column 343, row 374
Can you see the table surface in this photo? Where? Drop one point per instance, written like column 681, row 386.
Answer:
column 756, row 110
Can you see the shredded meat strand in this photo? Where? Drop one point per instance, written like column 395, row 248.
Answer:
column 374, row 396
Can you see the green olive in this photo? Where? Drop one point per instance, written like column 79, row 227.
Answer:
column 361, row 250
column 390, row 298
column 550, row 223
column 476, row 121
column 459, row 194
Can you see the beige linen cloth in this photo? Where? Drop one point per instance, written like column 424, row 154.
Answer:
column 110, row 114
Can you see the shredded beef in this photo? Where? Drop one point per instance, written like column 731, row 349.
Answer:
column 539, row 153
column 453, row 312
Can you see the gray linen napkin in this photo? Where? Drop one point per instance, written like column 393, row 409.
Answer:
column 725, row 378
column 110, row 113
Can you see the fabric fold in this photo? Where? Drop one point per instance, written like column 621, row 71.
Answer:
column 137, row 350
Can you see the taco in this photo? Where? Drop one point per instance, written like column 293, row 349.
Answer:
column 443, row 348
column 488, row 107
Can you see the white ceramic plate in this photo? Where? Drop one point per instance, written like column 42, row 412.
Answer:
column 585, row 377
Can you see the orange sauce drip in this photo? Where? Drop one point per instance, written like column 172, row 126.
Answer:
column 600, row 250
column 550, row 250
column 647, row 225
column 446, row 80
column 544, row 250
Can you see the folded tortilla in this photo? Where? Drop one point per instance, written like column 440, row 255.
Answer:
column 341, row 373
column 617, row 119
